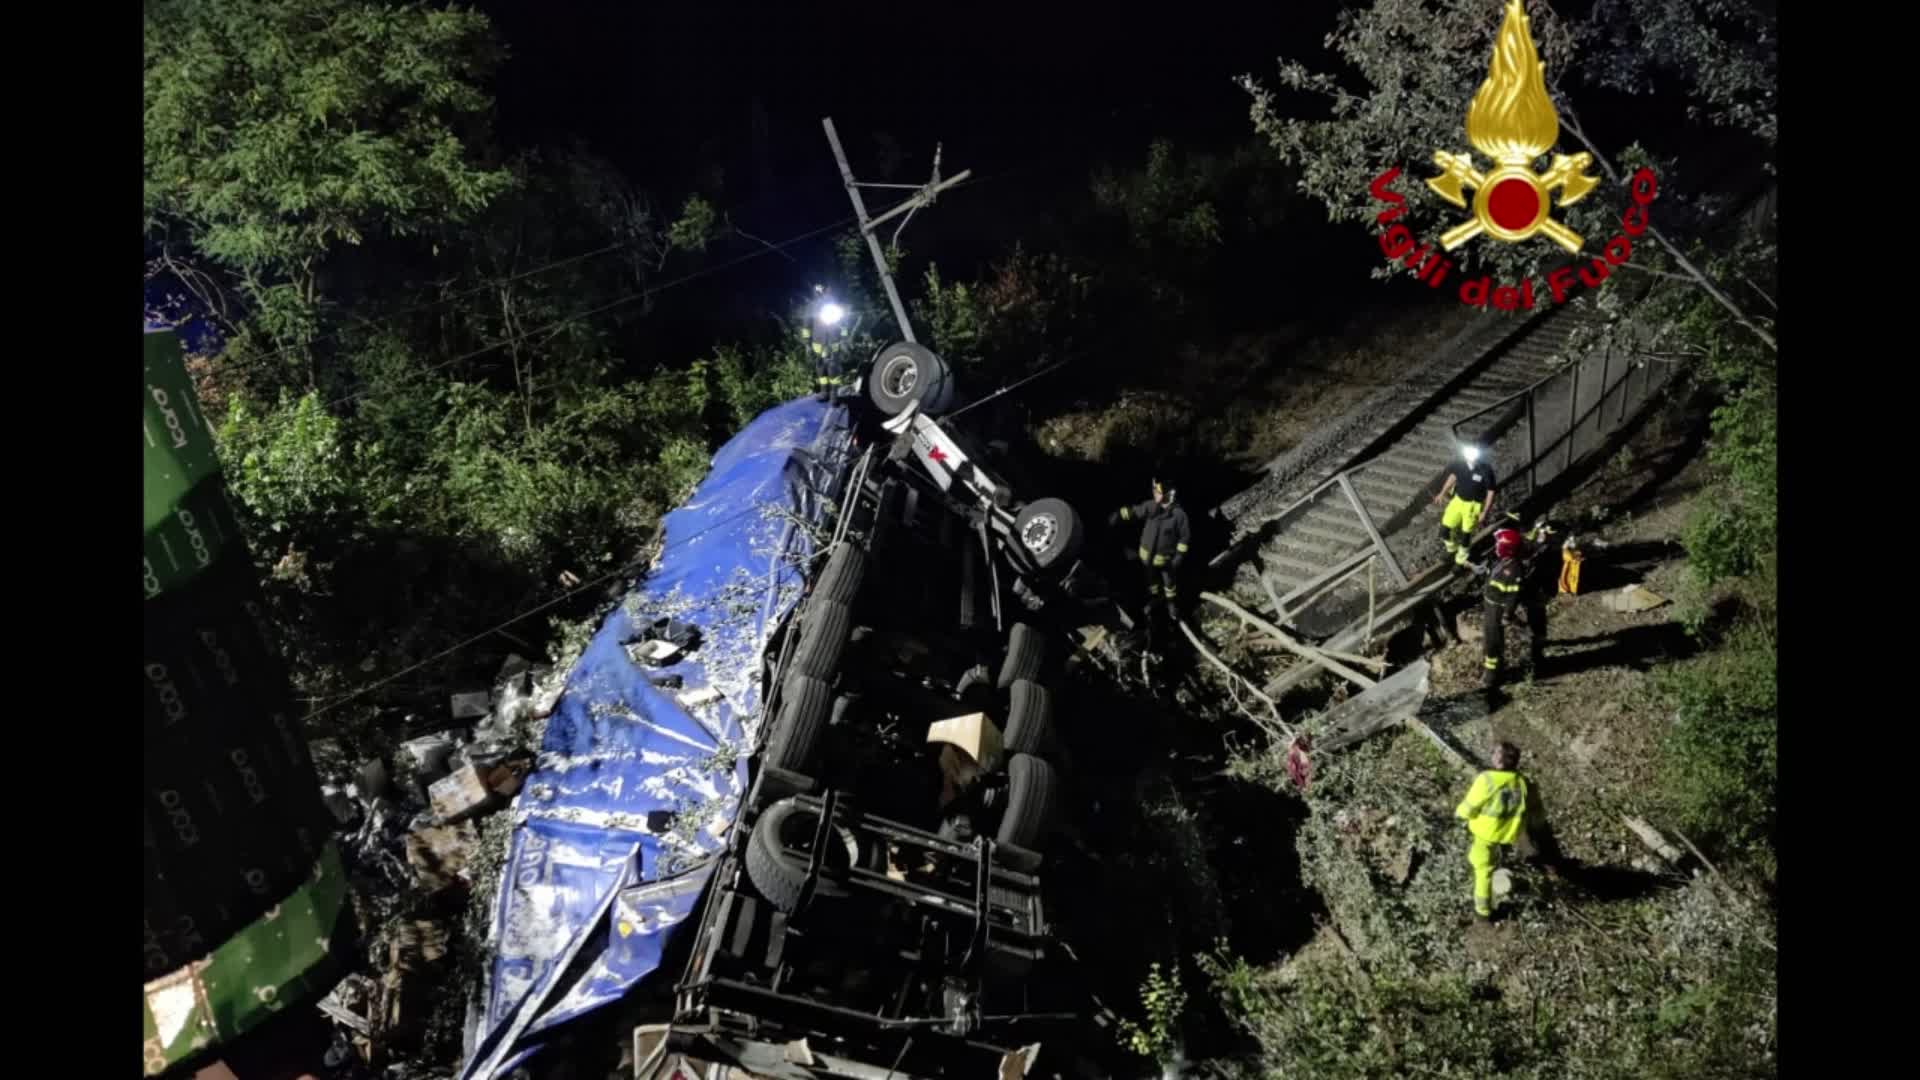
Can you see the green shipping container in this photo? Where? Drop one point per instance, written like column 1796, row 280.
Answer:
column 246, row 903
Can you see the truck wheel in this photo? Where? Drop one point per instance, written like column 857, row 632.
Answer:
column 840, row 579
column 777, row 854
column 1026, row 651
column 1030, row 802
column 904, row 373
column 824, row 628
column 1051, row 533
column 1029, row 718
column 797, row 726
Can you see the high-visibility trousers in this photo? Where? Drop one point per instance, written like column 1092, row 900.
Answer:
column 1483, row 857
column 1456, row 526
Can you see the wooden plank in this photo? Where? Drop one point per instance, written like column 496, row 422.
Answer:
column 1285, row 639
column 1424, row 589
column 1388, row 703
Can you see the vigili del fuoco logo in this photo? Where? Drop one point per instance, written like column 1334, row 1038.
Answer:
column 1511, row 120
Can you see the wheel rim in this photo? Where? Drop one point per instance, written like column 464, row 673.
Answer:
column 1038, row 533
column 900, row 376
column 796, row 835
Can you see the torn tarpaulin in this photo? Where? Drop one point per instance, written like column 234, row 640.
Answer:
column 619, row 750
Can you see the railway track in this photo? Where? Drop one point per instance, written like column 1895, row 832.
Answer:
column 1297, row 533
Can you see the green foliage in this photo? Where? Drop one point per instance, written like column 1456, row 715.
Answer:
column 1720, row 759
column 748, row 380
column 276, row 131
column 1164, row 1001
column 1165, row 205
column 1419, row 63
column 1022, row 315
column 290, row 465
column 696, row 226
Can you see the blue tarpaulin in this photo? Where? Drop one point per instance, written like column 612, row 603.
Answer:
column 589, row 896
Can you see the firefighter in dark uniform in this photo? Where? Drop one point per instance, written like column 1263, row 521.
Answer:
column 1164, row 538
column 1510, row 583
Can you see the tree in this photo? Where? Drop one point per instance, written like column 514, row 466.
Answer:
column 278, row 131
column 1422, row 61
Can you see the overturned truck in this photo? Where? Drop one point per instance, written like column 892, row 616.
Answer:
column 844, row 773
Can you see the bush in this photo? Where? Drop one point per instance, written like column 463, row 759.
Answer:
column 289, row 465
column 1732, row 535
column 749, row 380
column 1720, row 759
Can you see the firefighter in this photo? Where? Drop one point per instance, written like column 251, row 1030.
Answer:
column 1495, row 810
column 1164, row 536
column 1509, row 583
column 1470, row 483
column 826, row 347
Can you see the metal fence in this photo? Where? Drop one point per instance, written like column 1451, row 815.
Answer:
column 1541, row 433
column 1314, row 566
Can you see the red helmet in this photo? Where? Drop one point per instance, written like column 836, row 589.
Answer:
column 1505, row 543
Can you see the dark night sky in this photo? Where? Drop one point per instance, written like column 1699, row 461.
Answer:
column 658, row 87
column 1030, row 96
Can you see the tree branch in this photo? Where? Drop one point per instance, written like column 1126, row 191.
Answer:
column 1572, row 122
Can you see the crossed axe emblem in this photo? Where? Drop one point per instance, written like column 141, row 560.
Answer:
column 1512, row 202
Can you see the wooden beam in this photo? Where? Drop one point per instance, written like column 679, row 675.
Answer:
column 1424, row 589
column 1390, row 703
column 1285, row 639
column 1277, row 727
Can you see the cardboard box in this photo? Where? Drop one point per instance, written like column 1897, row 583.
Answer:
column 460, row 794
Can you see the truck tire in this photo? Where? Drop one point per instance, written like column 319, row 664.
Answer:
column 904, row 373
column 777, row 855
column 1026, row 651
column 1050, row 532
column 1032, row 789
column 824, row 628
column 840, row 580
column 1029, row 718
column 798, row 725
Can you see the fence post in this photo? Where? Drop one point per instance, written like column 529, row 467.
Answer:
column 1366, row 521
column 1533, row 451
column 1573, row 407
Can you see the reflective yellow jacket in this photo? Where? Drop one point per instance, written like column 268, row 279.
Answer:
column 1494, row 806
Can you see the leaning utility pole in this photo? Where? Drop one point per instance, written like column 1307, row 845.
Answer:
column 924, row 196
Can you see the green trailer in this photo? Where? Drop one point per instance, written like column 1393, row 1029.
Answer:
column 246, row 902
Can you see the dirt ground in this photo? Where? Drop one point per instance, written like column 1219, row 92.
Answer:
column 1614, row 948
column 1589, row 721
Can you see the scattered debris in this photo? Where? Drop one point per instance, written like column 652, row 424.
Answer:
column 352, row 1003
column 693, row 699
column 372, row 779
column 1632, row 599
column 1387, row 703
column 344, row 809
column 1655, row 842
column 469, row 705
column 429, row 753
column 438, row 853
column 656, row 653
column 1466, row 627
column 461, row 794
column 1299, row 766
